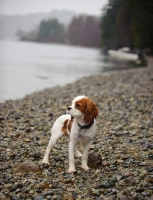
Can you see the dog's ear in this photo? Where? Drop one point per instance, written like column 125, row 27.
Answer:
column 91, row 111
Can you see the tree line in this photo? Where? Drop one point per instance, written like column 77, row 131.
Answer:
column 83, row 31
column 128, row 23
column 124, row 23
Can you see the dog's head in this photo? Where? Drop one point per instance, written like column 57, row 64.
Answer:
column 83, row 106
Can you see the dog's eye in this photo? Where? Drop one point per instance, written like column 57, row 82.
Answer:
column 77, row 105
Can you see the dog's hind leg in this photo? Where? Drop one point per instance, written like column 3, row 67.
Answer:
column 51, row 144
column 59, row 128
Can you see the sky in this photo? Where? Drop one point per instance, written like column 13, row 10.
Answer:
column 12, row 7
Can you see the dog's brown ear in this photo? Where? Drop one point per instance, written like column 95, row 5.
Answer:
column 91, row 111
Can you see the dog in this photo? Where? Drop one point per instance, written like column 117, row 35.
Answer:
column 79, row 124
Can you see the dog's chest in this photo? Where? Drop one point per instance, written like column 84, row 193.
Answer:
column 84, row 135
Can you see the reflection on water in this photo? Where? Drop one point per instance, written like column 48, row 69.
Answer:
column 28, row 67
column 118, row 64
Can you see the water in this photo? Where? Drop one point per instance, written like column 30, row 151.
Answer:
column 27, row 67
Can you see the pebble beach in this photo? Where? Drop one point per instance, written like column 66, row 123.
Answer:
column 123, row 145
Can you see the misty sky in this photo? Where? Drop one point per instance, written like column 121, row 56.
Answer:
column 11, row 7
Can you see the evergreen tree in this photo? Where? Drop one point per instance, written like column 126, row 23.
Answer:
column 128, row 23
column 84, row 31
column 51, row 31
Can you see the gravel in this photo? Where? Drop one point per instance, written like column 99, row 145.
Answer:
column 124, row 141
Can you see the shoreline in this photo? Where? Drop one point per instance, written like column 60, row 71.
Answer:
column 106, row 72
column 124, row 139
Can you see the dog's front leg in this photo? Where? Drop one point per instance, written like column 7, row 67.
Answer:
column 71, row 157
column 85, row 157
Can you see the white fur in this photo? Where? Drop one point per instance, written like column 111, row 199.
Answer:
column 76, row 136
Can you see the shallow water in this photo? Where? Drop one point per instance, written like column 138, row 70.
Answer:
column 26, row 67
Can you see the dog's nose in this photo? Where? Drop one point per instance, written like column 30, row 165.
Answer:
column 69, row 108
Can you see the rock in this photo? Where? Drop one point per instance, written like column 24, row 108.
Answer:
column 127, row 174
column 69, row 180
column 140, row 190
column 94, row 160
column 134, row 125
column 118, row 128
column 118, row 177
column 113, row 179
column 129, row 140
column 105, row 184
column 38, row 198
column 31, row 191
column 142, row 164
column 143, row 173
column 127, row 181
column 51, row 192
column 42, row 185
column 150, row 156
column 26, row 167
column 99, row 198
column 16, row 186
column 14, row 198
column 151, row 146
column 68, row 196
column 105, row 163
column 151, row 198
column 150, row 180
column 149, row 169
column 123, row 197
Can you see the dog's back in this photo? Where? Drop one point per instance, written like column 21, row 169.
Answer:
column 63, row 124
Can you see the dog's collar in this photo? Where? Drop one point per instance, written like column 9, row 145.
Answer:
column 86, row 126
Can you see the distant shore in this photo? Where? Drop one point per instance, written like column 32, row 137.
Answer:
column 124, row 140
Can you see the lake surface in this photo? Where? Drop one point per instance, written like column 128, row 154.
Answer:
column 27, row 67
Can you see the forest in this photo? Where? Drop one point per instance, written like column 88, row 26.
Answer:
column 83, row 31
column 123, row 23
column 128, row 23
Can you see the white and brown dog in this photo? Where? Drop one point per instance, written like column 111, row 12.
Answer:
column 79, row 124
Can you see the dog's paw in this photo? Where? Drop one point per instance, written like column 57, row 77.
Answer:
column 78, row 155
column 45, row 162
column 71, row 170
column 85, row 168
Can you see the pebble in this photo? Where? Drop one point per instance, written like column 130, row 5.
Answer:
column 94, row 160
column 149, row 169
column 68, row 196
column 121, row 154
column 123, row 197
column 26, row 167
column 38, row 198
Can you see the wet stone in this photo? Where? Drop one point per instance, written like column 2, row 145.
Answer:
column 26, row 167
column 16, row 186
column 94, row 160
column 68, row 196
column 106, row 184
column 123, row 197
column 149, row 169
column 38, row 198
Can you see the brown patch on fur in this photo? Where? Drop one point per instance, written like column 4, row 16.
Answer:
column 88, row 108
column 70, row 124
column 81, row 105
column 64, row 128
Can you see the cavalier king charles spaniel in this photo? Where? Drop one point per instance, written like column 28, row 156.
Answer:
column 79, row 125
